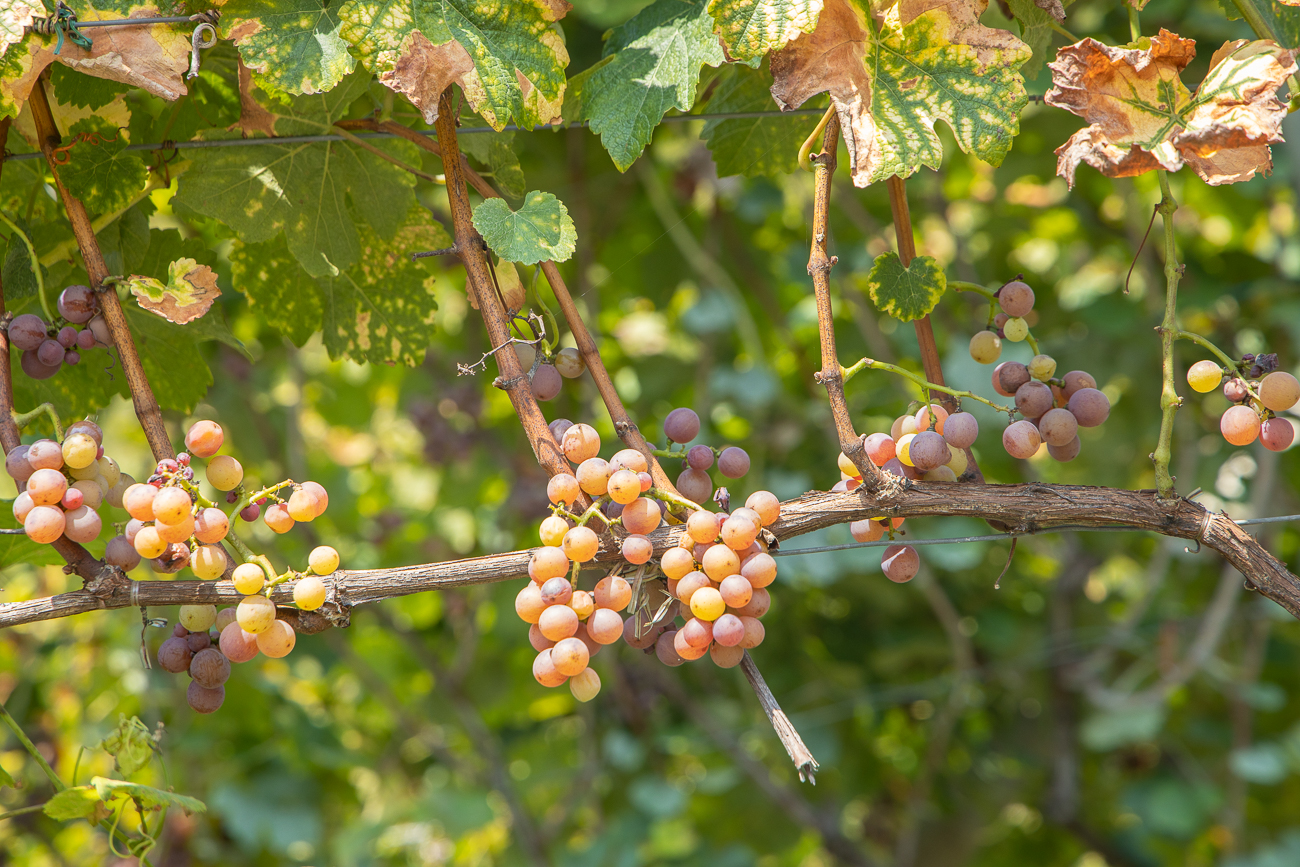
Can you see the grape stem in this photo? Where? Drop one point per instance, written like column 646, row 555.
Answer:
column 23, row 419
column 922, row 383
column 674, row 499
column 963, row 286
column 1169, row 399
column 257, row 559
column 1233, row 366
column 36, row 265
column 594, row 511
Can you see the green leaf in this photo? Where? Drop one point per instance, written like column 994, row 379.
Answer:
column 293, row 46
column 277, row 287
column 1109, row 730
column 758, row 145
column 124, row 241
column 651, row 65
column 100, row 171
column 1035, row 31
column 131, row 744
column 508, row 58
column 752, row 28
column 18, row 280
column 905, row 293
column 312, row 192
column 496, row 152
column 83, row 91
column 77, row 802
column 891, row 81
column 148, row 795
column 540, row 229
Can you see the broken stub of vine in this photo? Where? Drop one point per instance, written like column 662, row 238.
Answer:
column 1143, row 117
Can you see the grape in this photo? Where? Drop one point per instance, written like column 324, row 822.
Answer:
column 1090, row 407
column 901, row 563
column 557, row 591
column 676, row 563
column 208, row 562
column 613, row 592
column 278, row 639
column 1020, row 439
column 1010, row 376
column 225, row 473
column 547, row 382
column 138, row 501
column 580, row 443
column 985, row 347
column 77, row 304
column 1276, row 434
column 37, row 369
column 666, row 650
column 250, row 512
column 720, row 561
column 278, row 518
column 931, row 416
column 580, row 601
column 563, row 488
column 309, row 593
column 86, row 339
column 593, row 476
column 624, row 486
column 44, row 524
column 99, row 328
column 904, row 424
column 211, row 525
column 171, row 505
column 1204, row 376
column 82, row 525
column 204, row 439
column 1016, row 298
column 928, row 451
column 702, row 526
column 629, row 459
column 961, row 430
column 699, row 457
column 47, row 487
column 547, row 563
column 196, row 640
column 707, row 603
column 696, row 634
column 225, row 616
column 1067, row 452
column 735, row 591
column 173, row 558
column 1279, row 391
column 690, row 583
column 109, row 469
column 570, row 656
column 739, row 532
column 1015, row 330
column 323, row 560
column 766, row 505
column 940, row 474
column 695, row 485
column 209, row 668
column 121, row 553
column 558, row 622
column 1075, row 380
column 681, row 425
column 758, row 605
column 203, row 700
column 302, row 505
column 957, row 461
column 648, row 633
column 17, row 466
column 880, row 448
column 1033, row 399
column 50, row 353
column 637, row 549
column 569, row 363
column 526, row 353
column 733, row 462
column 92, row 492
column 558, row 427
column 1235, row 390
column 236, row 644
column 1041, row 367
column 174, row 655
column 529, row 603
column 537, row 640
column 322, row 496
column 71, row 357
column 1240, row 425
column 27, row 332
column 79, row 451
column 726, row 657
column 1058, row 427
column 544, row 670
column 255, row 614
column 66, row 337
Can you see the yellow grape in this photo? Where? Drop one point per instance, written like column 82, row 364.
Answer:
column 585, row 685
column 1204, row 376
column 277, row 639
column 208, row 562
column 248, row 578
column 171, row 505
column 323, row 560
column 255, row 614
column 985, row 347
column 309, row 593
column 197, row 618
column 225, row 473
column 148, row 543
column 707, row 603
column 1016, row 329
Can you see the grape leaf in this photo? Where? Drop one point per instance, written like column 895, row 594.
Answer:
column 83, row 91
column 15, row 16
column 303, row 190
column 905, row 293
column 541, row 229
column 1035, row 31
column 76, row 802
column 188, row 293
column 147, row 795
column 650, row 65
column 1143, row 117
column 125, row 241
column 751, row 28
column 131, row 744
column 277, row 287
column 757, row 145
column 173, row 362
column 100, row 171
column 892, row 79
column 496, row 152
column 508, row 58
column 293, row 46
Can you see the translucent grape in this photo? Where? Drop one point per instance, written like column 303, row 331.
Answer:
column 1279, row 391
column 624, row 486
column 77, row 304
column 210, row 668
column 174, row 655
column 739, row 532
column 178, row 532
column 563, row 488
column 720, row 561
column 547, row 382
column 707, row 603
column 580, row 443
column 681, row 425
column 99, row 328
column 138, row 501
column 197, row 618
column 302, row 505
column 82, row 525
column 109, row 469
column 1075, row 380
column 1204, row 376
column 928, row 451
column 44, row 524
column 690, row 583
column 585, row 685
column 1033, row 399
column 225, row 473
column 544, row 670
column 1240, row 425
column 558, row 622
column 931, row 416
column 569, row 363
column 1089, row 406
column 605, row 626
column 900, row 563
column 758, row 605
column 211, row 525
column 225, row 617
column 171, row 505
column 236, row 644
column 736, row 592
column 278, row 639
column 676, row 563
column 1016, row 298
column 208, row 562
column 278, row 518
column 985, row 347
column 593, row 476
column 255, row 614
column 903, row 449
column 696, row 634
column 1021, row 439
column 880, row 448
column 1058, row 427
column 27, row 332
column 570, row 656
column 765, row 505
column 558, row 591
column 34, row 368
column 613, row 592
column 641, row 516
column 1015, row 330
column 581, row 544
column 309, row 593
column 695, row 485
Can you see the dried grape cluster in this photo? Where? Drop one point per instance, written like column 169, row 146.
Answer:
column 716, row 578
column 47, row 346
column 1257, row 391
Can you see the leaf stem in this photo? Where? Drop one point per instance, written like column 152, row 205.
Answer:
column 963, row 286
column 36, row 265
column 23, row 419
column 921, row 382
column 1134, row 24
column 1169, row 399
column 22, row 811
column 1055, row 25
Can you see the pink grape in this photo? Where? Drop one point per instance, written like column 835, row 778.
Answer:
column 1276, row 434
column 86, row 339
column 961, row 430
column 681, row 425
column 880, row 448
column 1011, row 376
column 666, row 651
column 929, row 450
column 699, row 457
column 174, row 655
column 547, row 382
column 1016, row 298
column 733, row 462
column 44, row 524
column 1067, row 452
column 236, row 644
column 728, row 630
column 67, row 337
column 210, row 668
column 1058, row 427
column 77, row 304
column 558, row 427
column 900, row 563
column 637, row 549
column 1089, row 406
column 1235, row 390
column 37, row 369
column 1033, row 399
column 47, row 487
column 1240, row 425
column 1020, row 439
column 1075, row 380
column 82, row 525
column 71, row 357
column 27, row 332
column 121, row 553
column 694, row 485
column 50, row 353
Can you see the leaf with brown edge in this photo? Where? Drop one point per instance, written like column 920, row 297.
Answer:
column 189, row 292
column 15, row 17
column 1143, row 117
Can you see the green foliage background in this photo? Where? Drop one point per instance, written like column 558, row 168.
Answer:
column 945, row 712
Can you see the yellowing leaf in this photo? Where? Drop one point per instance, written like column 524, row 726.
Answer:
column 76, row 802
column 905, row 293
column 892, row 78
column 1143, row 117
column 15, row 16
column 293, row 45
column 751, row 28
column 188, row 293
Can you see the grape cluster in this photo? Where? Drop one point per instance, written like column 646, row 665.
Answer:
column 1257, row 394
column 568, row 625
column 48, row 346
column 61, row 485
column 1052, row 408
column 548, row 374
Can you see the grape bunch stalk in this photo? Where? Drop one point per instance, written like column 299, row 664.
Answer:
column 569, row 625
column 1258, row 392
column 47, row 346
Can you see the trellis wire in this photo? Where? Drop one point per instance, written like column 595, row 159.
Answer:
column 994, row 537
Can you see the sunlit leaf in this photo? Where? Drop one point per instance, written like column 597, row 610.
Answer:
column 541, row 229
column 100, row 171
column 188, row 293
column 147, row 795
column 753, row 146
column 131, row 744
column 76, row 802
column 294, row 47
column 751, row 28
column 905, row 293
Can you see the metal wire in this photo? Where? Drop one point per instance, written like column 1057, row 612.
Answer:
column 995, row 537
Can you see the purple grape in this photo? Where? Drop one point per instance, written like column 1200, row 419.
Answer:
column 1012, row 375
column 27, row 332
column 67, row 337
column 929, row 450
column 695, row 485
column 900, row 563
column 682, row 425
column 1016, row 298
column 77, row 304
column 72, row 356
column 547, row 382
column 203, row 700
column 35, row 368
column 699, row 457
column 174, row 655
column 1234, row 390
column 558, row 427
column 1058, row 427
column 121, row 553
column 16, row 465
column 86, row 338
column 1021, row 439
column 733, row 462
column 50, row 353
column 209, row 668
column 1033, row 399
column 1276, row 434
column 961, row 430
column 1089, row 406
column 250, row 513
column 1067, row 452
